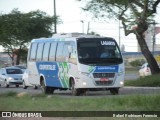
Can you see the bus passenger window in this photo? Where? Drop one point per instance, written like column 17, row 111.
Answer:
column 46, row 52
column 59, row 52
column 39, row 52
column 33, row 52
column 65, row 53
column 52, row 51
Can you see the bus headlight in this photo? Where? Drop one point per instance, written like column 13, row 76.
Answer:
column 84, row 73
column 84, row 83
column 121, row 82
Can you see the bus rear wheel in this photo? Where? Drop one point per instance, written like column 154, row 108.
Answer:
column 45, row 89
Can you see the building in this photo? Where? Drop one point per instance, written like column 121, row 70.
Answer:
column 5, row 60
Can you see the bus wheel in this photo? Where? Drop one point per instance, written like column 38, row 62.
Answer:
column 75, row 92
column 83, row 92
column 17, row 85
column 114, row 91
column 45, row 89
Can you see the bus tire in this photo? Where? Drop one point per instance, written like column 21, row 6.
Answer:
column 75, row 91
column 45, row 89
column 114, row 91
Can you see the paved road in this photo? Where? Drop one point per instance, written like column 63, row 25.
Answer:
column 123, row 91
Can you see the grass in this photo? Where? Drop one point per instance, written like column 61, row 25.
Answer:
column 132, row 70
column 40, row 102
column 10, row 102
column 149, row 81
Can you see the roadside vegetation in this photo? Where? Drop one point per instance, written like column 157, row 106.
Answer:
column 148, row 81
column 11, row 102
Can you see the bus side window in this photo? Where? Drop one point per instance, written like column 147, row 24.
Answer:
column 33, row 50
column 52, row 51
column 46, row 52
column 39, row 52
column 65, row 53
column 59, row 57
column 73, row 54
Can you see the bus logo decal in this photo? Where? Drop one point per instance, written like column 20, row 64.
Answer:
column 107, row 43
column 106, row 69
column 47, row 67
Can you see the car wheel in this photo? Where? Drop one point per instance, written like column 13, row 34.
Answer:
column 24, row 85
column 5, row 84
column 114, row 91
column 35, row 87
column 75, row 92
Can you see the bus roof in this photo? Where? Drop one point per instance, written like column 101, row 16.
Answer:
column 76, row 35
column 66, row 37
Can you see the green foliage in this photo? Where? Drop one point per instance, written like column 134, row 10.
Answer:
column 59, row 103
column 8, row 94
column 137, row 62
column 18, row 29
column 148, row 81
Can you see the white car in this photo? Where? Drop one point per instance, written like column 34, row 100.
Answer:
column 144, row 70
column 11, row 76
column 23, row 68
column 25, row 79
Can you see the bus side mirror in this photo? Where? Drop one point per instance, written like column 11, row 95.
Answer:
column 70, row 49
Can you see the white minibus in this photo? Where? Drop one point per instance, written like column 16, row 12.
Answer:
column 75, row 62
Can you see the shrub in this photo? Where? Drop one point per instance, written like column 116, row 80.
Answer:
column 137, row 62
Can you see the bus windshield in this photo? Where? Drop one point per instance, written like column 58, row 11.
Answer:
column 98, row 51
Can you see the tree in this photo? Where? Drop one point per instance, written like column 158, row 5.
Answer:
column 135, row 15
column 18, row 29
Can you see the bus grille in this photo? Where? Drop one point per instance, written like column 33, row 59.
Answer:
column 110, row 76
column 103, row 75
column 104, row 83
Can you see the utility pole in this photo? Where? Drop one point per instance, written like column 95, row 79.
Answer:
column 88, row 28
column 82, row 26
column 55, row 17
column 119, row 25
column 119, row 34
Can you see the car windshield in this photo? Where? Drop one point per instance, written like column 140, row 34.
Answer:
column 98, row 51
column 21, row 67
column 14, row 71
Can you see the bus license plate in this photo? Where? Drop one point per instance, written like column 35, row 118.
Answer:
column 104, row 79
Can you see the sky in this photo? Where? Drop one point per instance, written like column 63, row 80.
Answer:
column 72, row 17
